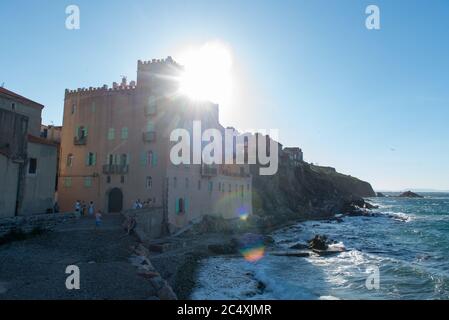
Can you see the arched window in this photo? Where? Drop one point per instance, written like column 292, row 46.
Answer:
column 69, row 160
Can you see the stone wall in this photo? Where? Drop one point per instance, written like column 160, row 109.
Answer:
column 27, row 224
column 148, row 222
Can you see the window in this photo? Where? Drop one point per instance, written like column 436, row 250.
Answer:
column 69, row 160
column 122, row 179
column 32, row 166
column 123, row 159
column 67, row 182
column 91, row 159
column 88, row 182
column 73, row 108
column 199, row 184
column 110, row 159
column 187, row 183
column 81, row 132
column 150, row 126
column 151, row 158
column 242, row 188
column 211, row 186
column 175, row 182
column 111, row 134
column 180, row 206
column 149, row 183
column 108, row 179
column 13, row 106
column 124, row 133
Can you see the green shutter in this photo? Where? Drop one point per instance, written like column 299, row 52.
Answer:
column 86, row 131
column 94, row 160
column 177, row 206
column 154, row 160
column 143, row 158
column 186, row 205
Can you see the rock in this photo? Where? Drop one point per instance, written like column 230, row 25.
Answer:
column 380, row 195
column 299, row 246
column 161, row 247
column 148, row 274
column 223, row 248
column 268, row 240
column 140, row 250
column 318, row 243
column 291, row 253
column 157, row 283
column 409, row 194
column 166, row 293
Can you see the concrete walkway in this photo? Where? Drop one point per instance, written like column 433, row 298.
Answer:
column 35, row 268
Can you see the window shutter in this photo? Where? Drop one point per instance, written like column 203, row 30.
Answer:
column 86, row 131
column 94, row 159
column 154, row 160
column 143, row 158
column 128, row 157
column 116, row 159
column 186, row 205
column 177, row 206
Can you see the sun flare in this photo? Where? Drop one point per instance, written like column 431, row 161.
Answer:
column 207, row 73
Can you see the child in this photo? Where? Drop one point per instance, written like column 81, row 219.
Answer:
column 98, row 216
column 91, row 208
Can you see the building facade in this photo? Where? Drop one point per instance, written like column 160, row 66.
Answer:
column 27, row 162
column 115, row 149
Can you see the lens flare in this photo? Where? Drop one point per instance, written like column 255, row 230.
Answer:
column 243, row 213
column 252, row 247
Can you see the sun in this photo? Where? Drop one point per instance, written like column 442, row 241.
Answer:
column 207, row 73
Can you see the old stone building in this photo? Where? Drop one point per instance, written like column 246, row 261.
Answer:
column 115, row 149
column 27, row 162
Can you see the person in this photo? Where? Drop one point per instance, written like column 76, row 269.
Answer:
column 91, row 210
column 98, row 217
column 56, row 207
column 139, row 204
column 77, row 206
column 136, row 205
column 83, row 208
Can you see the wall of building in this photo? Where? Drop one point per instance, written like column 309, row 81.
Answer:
column 40, row 187
column 9, row 173
column 33, row 113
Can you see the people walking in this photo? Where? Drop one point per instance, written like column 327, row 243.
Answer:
column 91, row 209
column 77, row 206
column 98, row 217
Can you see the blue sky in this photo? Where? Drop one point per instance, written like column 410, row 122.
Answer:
column 372, row 103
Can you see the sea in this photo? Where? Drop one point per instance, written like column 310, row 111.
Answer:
column 400, row 253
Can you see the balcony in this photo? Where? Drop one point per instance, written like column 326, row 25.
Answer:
column 80, row 141
column 208, row 170
column 150, row 110
column 149, row 136
column 115, row 169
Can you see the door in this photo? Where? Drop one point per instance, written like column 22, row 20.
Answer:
column 115, row 200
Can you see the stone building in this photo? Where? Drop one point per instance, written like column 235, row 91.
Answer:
column 294, row 154
column 27, row 162
column 115, row 149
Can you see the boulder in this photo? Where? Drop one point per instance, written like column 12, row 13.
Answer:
column 166, row 293
column 228, row 248
column 409, row 194
column 319, row 242
column 299, row 246
column 380, row 195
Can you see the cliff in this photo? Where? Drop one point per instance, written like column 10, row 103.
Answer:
column 305, row 191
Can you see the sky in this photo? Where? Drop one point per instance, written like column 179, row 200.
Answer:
column 372, row 103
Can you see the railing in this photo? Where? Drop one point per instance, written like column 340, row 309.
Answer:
column 208, row 170
column 115, row 169
column 79, row 141
column 149, row 136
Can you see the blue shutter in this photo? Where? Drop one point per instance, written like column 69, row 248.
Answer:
column 94, row 160
column 177, row 206
column 154, row 160
column 186, row 205
column 143, row 158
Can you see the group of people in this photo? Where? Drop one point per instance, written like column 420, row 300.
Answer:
column 82, row 208
column 139, row 204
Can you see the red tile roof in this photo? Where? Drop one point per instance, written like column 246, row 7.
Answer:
column 19, row 98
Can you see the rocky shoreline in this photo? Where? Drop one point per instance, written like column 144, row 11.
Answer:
column 177, row 259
